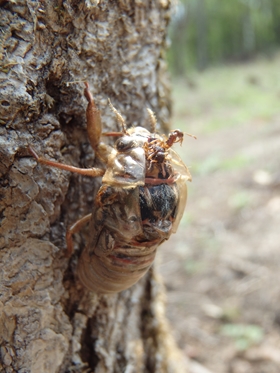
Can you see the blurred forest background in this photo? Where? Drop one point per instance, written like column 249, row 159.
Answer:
column 208, row 32
column 221, row 269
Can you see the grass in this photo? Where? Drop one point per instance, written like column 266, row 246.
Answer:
column 239, row 200
column 244, row 335
column 228, row 96
column 224, row 99
column 215, row 162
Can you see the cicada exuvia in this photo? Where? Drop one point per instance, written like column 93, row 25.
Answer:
column 138, row 206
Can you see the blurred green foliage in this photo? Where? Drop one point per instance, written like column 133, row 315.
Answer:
column 225, row 97
column 244, row 335
column 216, row 162
column 207, row 32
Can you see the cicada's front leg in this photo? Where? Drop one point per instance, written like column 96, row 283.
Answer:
column 94, row 124
column 94, row 128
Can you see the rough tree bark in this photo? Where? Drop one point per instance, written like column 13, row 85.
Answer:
column 49, row 322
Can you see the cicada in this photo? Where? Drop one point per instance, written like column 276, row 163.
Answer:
column 138, row 206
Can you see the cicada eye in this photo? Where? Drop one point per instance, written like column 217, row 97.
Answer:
column 125, row 143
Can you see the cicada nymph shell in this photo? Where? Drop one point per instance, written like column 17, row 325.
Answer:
column 139, row 205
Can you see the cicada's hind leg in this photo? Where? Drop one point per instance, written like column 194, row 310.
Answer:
column 75, row 228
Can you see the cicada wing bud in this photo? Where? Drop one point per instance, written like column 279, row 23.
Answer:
column 181, row 205
column 179, row 166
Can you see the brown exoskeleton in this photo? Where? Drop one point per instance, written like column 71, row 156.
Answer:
column 140, row 203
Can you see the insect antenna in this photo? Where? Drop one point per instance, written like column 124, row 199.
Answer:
column 153, row 120
column 189, row 134
column 118, row 116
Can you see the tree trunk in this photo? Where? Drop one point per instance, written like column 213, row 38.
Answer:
column 49, row 322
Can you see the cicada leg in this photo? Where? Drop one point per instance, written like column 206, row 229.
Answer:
column 75, row 228
column 94, row 124
column 93, row 172
column 94, row 128
column 113, row 134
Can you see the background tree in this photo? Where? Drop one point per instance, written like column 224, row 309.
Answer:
column 207, row 32
column 49, row 322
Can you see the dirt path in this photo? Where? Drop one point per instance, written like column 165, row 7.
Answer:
column 222, row 269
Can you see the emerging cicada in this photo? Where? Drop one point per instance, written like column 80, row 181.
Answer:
column 140, row 203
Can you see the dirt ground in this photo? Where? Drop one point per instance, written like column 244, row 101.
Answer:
column 222, row 268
